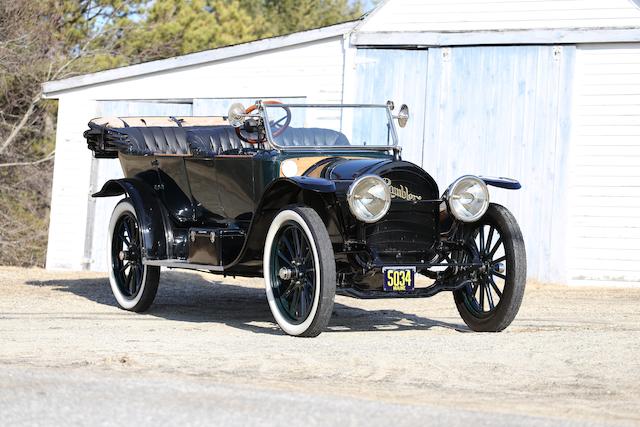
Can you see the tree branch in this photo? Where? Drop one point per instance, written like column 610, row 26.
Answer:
column 36, row 162
column 23, row 121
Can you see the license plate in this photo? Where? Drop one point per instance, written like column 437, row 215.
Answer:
column 398, row 279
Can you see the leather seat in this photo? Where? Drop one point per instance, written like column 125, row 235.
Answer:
column 311, row 137
column 154, row 139
column 213, row 141
column 208, row 141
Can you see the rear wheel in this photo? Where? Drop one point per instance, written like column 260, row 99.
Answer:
column 492, row 300
column 299, row 272
column 133, row 284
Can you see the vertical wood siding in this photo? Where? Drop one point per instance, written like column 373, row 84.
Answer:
column 604, row 235
column 399, row 76
column 71, row 172
column 497, row 111
column 470, row 15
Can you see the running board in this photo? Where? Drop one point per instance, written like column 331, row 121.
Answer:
column 177, row 263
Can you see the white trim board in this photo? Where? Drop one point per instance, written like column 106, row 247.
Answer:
column 53, row 88
column 498, row 37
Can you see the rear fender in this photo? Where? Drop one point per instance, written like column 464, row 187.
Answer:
column 154, row 222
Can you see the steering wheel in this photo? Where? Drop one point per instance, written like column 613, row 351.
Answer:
column 277, row 126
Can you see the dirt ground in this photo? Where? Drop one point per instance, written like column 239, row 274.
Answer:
column 572, row 356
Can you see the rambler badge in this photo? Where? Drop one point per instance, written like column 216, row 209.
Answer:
column 401, row 192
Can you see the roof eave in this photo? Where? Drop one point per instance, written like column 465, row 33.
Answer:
column 53, row 88
column 496, row 37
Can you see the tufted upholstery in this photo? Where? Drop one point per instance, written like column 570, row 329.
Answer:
column 311, row 137
column 212, row 141
column 207, row 141
column 149, row 140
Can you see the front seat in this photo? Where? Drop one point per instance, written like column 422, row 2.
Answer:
column 311, row 137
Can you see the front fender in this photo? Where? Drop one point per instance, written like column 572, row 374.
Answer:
column 317, row 193
column 319, row 185
column 154, row 223
column 507, row 183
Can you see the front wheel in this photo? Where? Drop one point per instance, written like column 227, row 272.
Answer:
column 299, row 272
column 492, row 299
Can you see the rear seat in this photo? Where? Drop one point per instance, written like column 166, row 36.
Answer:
column 153, row 139
column 209, row 141
column 213, row 141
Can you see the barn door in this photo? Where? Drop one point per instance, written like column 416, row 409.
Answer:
column 400, row 76
column 102, row 170
column 604, row 233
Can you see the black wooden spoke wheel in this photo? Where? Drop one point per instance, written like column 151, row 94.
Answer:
column 293, row 272
column 299, row 271
column 491, row 301
column 134, row 285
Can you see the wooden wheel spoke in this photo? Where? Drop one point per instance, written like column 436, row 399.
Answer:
column 297, row 242
column 128, row 280
column 495, row 287
column 284, row 258
column 481, row 248
column 125, row 225
column 495, row 261
column 500, row 275
column 289, row 289
column 295, row 301
column 496, row 247
column 303, row 301
column 489, row 237
column 481, row 302
column 287, row 243
column 124, row 266
column 124, row 238
column 489, row 297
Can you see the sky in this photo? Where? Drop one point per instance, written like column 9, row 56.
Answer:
column 369, row 4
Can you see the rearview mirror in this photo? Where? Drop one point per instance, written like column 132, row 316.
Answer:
column 403, row 116
column 236, row 115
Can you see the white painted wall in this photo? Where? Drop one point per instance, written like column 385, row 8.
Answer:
column 470, row 15
column 312, row 71
column 71, row 185
column 604, row 236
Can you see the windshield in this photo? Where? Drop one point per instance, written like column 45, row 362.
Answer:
column 345, row 126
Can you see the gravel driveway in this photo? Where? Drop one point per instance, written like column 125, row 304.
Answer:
column 209, row 353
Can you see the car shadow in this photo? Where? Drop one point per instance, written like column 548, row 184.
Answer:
column 188, row 297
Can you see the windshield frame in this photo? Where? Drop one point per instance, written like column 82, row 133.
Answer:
column 393, row 131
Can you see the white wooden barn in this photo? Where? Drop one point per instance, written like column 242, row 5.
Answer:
column 544, row 91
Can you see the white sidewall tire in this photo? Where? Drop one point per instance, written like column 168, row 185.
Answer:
column 124, row 302
column 286, row 325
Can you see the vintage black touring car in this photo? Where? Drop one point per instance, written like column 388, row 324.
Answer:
column 315, row 198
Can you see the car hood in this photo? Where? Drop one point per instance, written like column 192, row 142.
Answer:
column 407, row 180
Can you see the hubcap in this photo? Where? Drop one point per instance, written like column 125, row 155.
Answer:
column 285, row 273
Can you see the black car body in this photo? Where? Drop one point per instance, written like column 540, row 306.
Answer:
column 203, row 194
